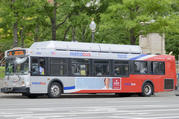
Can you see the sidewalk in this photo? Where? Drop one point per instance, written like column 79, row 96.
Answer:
column 177, row 92
column 1, row 81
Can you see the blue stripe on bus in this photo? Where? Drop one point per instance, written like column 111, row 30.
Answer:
column 140, row 56
column 69, row 88
column 36, row 83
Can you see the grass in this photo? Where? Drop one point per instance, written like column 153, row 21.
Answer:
column 2, row 69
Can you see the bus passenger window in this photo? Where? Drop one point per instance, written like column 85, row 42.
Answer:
column 121, row 68
column 35, row 69
column 101, row 68
column 140, row 67
column 158, row 68
column 38, row 66
column 76, row 69
column 58, row 66
column 80, row 67
column 42, row 66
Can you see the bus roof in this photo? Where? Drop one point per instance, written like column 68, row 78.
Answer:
column 86, row 47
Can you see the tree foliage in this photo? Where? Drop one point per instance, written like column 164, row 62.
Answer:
column 118, row 21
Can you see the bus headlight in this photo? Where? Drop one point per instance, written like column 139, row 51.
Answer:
column 22, row 83
column 5, row 84
column 27, row 84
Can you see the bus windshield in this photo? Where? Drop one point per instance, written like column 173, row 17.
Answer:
column 18, row 65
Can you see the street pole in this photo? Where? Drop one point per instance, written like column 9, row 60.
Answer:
column 93, row 36
column 93, row 29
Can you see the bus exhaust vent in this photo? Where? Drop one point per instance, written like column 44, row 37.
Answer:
column 169, row 84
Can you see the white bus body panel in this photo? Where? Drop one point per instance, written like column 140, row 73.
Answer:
column 16, row 81
column 87, row 47
column 39, row 84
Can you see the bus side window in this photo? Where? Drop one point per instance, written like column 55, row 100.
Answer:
column 35, row 67
column 42, row 66
column 101, row 68
column 58, row 66
column 158, row 68
column 38, row 66
column 140, row 67
column 80, row 67
column 121, row 68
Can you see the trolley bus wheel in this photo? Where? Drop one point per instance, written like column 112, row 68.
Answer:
column 147, row 89
column 54, row 90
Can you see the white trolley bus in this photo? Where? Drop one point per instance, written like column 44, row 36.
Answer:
column 54, row 67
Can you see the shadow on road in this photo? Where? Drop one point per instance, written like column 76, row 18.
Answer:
column 66, row 96
column 70, row 96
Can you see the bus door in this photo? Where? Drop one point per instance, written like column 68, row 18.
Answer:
column 38, row 75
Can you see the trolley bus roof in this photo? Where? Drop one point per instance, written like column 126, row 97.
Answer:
column 86, row 47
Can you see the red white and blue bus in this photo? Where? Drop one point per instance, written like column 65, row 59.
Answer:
column 53, row 68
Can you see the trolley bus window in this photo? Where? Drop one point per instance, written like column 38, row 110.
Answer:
column 10, row 69
column 101, row 68
column 80, row 67
column 58, row 66
column 140, row 67
column 121, row 68
column 18, row 65
column 158, row 68
column 38, row 66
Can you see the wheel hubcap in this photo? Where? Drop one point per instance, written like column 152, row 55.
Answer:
column 55, row 90
column 147, row 90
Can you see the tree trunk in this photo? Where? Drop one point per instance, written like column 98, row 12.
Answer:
column 73, row 34
column 15, row 37
column 22, row 37
column 83, row 33
column 36, row 37
column 66, row 31
column 54, row 30
column 53, row 21
column 132, row 37
column 15, row 26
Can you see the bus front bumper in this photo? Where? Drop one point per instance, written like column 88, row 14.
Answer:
column 15, row 90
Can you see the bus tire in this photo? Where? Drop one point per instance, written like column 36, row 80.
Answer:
column 147, row 89
column 55, row 90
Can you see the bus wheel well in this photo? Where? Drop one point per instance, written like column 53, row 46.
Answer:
column 57, row 81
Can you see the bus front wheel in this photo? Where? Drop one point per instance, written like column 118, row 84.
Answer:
column 147, row 89
column 54, row 90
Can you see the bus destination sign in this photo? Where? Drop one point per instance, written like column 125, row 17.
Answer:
column 16, row 52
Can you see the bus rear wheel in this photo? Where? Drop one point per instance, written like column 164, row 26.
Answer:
column 54, row 90
column 147, row 89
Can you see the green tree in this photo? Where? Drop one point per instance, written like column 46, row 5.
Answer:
column 172, row 35
column 118, row 21
column 136, row 17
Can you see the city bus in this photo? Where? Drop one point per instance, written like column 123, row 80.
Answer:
column 55, row 67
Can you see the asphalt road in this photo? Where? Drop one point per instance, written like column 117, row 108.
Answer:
column 160, row 106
